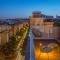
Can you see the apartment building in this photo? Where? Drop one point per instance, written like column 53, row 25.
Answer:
column 43, row 23
column 8, row 28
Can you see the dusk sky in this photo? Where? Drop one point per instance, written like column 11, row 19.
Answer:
column 24, row 8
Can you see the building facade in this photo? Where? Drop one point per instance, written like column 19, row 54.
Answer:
column 7, row 29
column 42, row 23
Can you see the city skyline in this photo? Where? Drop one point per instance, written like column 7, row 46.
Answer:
column 24, row 8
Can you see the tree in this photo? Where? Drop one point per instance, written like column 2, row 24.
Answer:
column 10, row 47
column 56, row 24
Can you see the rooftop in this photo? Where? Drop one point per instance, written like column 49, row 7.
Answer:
column 7, row 23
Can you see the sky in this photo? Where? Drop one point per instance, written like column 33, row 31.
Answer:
column 24, row 8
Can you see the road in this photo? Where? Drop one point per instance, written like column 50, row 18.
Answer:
column 27, row 51
column 32, row 56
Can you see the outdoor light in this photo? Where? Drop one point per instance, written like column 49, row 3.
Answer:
column 19, row 37
column 40, row 44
